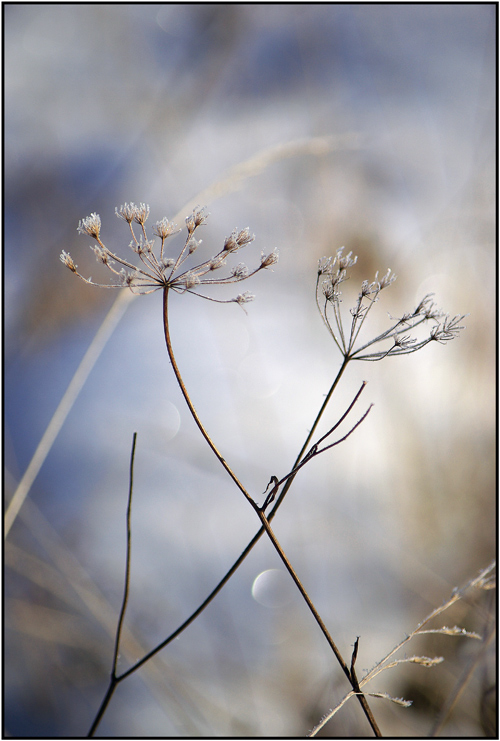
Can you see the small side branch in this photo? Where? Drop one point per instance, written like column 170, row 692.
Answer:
column 316, row 450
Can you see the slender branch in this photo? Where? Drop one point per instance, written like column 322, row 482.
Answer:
column 314, row 451
column 128, row 558
column 317, row 421
column 114, row 679
column 346, row 414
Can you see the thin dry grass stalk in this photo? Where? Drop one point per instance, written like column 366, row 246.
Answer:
column 484, row 580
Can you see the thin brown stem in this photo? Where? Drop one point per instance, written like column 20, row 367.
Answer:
column 302, row 590
column 188, row 401
column 260, row 513
column 128, row 557
column 113, row 679
column 313, row 452
column 352, row 679
column 104, row 704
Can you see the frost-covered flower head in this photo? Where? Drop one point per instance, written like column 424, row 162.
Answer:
column 332, row 272
column 159, row 270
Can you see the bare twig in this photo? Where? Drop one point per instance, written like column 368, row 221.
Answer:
column 113, row 678
column 128, row 557
column 314, row 451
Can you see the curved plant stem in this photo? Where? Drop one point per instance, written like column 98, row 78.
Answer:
column 188, row 401
column 265, row 522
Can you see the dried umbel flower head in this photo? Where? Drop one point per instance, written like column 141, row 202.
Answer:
column 332, row 272
column 158, row 271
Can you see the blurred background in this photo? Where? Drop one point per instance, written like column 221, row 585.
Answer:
column 107, row 104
